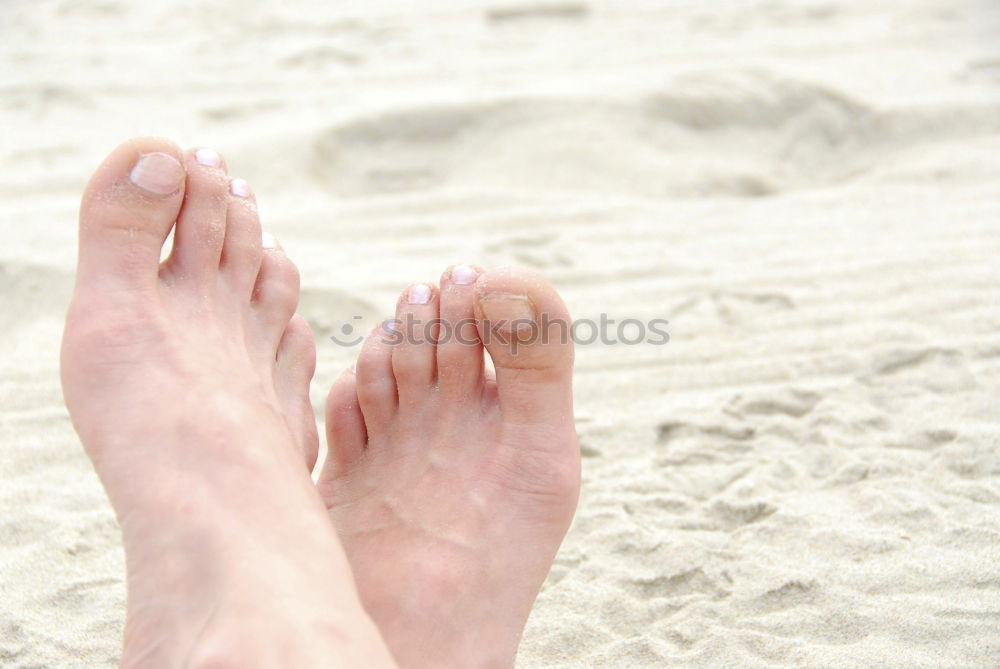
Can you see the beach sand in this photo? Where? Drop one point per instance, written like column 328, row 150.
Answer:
column 806, row 475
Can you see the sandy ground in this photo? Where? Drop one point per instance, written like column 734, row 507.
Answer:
column 806, row 475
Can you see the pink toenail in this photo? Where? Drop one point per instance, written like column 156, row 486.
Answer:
column 239, row 188
column 208, row 157
column 420, row 293
column 157, row 173
column 268, row 241
column 463, row 275
column 508, row 313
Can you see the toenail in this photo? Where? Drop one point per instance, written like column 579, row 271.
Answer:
column 208, row 157
column 239, row 188
column 508, row 313
column 268, row 241
column 158, row 173
column 420, row 293
column 463, row 275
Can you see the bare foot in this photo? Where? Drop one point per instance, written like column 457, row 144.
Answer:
column 452, row 491
column 174, row 376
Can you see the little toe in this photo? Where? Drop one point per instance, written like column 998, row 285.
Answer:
column 376, row 383
column 127, row 211
column 413, row 354
column 459, row 350
column 527, row 330
column 275, row 294
column 201, row 225
column 293, row 372
column 242, row 249
column 346, row 434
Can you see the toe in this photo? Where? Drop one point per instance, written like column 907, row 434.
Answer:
column 376, row 384
column 526, row 329
column 127, row 211
column 242, row 249
column 276, row 292
column 345, row 426
column 201, row 225
column 413, row 356
column 293, row 372
column 459, row 351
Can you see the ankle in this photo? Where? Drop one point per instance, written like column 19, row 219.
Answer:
column 476, row 640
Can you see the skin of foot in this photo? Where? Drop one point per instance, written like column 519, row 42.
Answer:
column 187, row 382
column 452, row 486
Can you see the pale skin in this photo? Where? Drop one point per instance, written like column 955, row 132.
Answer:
column 449, row 489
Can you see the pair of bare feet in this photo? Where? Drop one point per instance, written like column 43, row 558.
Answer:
column 449, row 489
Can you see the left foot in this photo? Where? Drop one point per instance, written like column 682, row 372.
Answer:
column 452, row 490
column 186, row 382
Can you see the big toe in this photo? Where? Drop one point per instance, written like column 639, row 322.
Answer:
column 526, row 328
column 128, row 208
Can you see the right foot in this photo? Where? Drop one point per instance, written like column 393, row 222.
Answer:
column 452, row 489
column 182, row 380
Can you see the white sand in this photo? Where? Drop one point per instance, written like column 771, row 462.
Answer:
column 807, row 475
